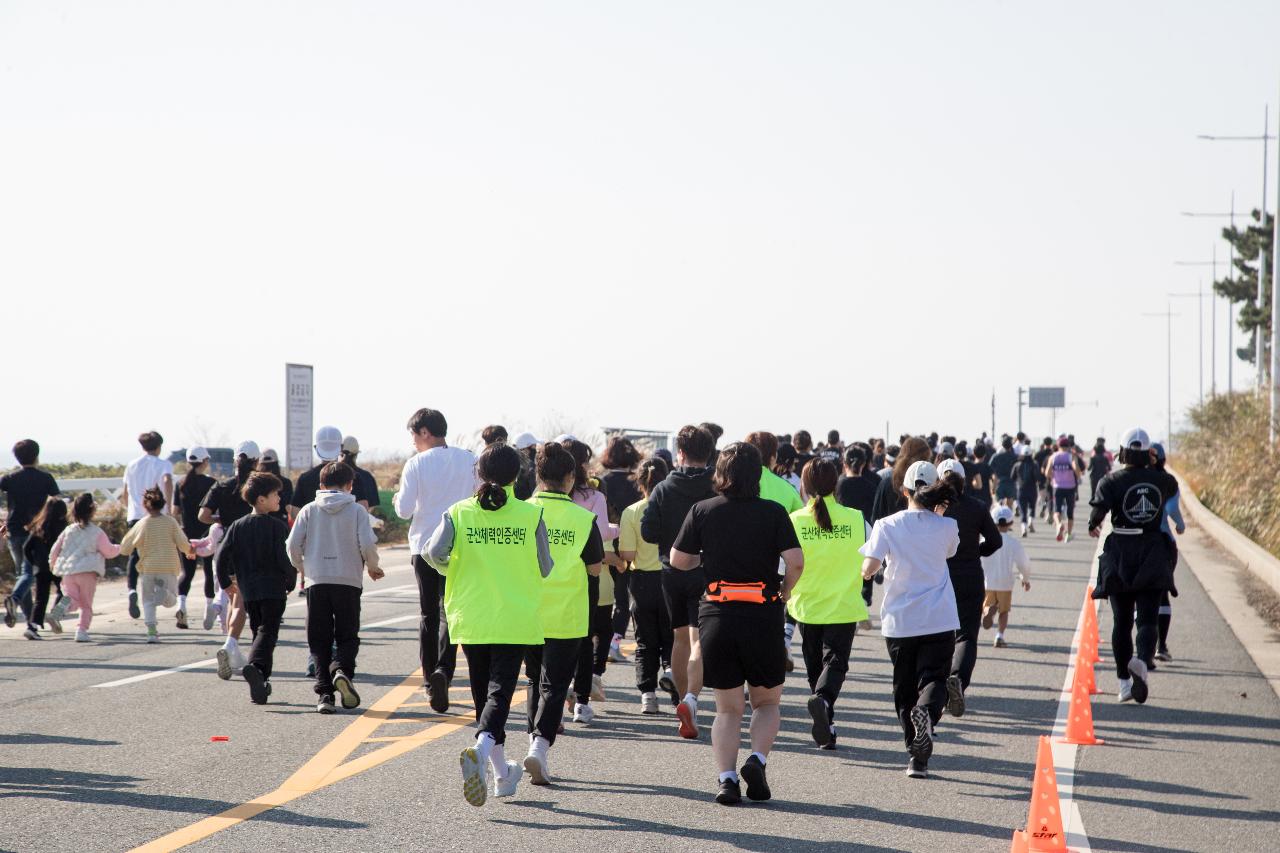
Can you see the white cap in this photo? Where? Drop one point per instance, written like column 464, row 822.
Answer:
column 525, row 439
column 328, row 443
column 565, row 436
column 350, row 444
column 249, row 449
column 947, row 449
column 269, row 455
column 920, row 471
column 1002, row 515
column 197, row 454
column 1136, row 439
column 1025, row 450
column 950, row 465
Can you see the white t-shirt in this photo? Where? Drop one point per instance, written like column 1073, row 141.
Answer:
column 433, row 481
column 141, row 474
column 918, row 598
column 999, row 567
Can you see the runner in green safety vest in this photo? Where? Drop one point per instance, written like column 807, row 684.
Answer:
column 578, row 551
column 827, row 600
column 494, row 554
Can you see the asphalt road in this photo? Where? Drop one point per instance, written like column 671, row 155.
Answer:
column 93, row 767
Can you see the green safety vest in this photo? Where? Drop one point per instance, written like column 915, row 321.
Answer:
column 493, row 586
column 829, row 591
column 774, row 488
column 565, row 604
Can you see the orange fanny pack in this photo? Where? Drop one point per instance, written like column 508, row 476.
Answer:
column 745, row 593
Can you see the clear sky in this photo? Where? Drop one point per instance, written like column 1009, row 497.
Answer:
column 771, row 215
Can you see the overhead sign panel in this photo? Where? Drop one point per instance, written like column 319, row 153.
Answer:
column 1047, row 398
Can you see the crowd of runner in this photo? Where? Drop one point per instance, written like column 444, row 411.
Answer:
column 532, row 555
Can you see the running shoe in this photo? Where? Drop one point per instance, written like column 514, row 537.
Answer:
column 58, row 611
column 134, row 612
column 506, row 786
column 472, row 776
column 831, row 744
column 325, row 705
column 181, row 617
column 597, row 688
column 1032, row 527
column 821, row 714
column 1060, row 534
column 238, row 660
column 1163, row 655
column 153, row 636
column 224, row 664
column 31, row 633
column 82, row 636
column 649, row 703
column 1070, row 536
column 989, row 617
column 311, row 666
column 730, row 793
column 955, row 696
column 10, row 612
column 341, row 683
column 438, row 691
column 258, row 691
column 918, row 769
column 999, row 642
column 615, row 653
column 1138, row 669
column 1126, row 689
column 922, row 743
column 210, row 615
column 753, row 773
column 688, row 721
column 583, row 714
column 668, row 683
column 536, row 764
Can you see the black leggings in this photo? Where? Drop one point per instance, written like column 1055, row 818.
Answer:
column 826, row 657
column 969, row 589
column 189, row 574
column 1124, row 606
column 601, row 637
column 653, row 628
column 1027, row 506
column 493, row 673
column 550, row 669
column 621, row 601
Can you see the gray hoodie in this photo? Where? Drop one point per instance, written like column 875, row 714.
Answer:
column 332, row 540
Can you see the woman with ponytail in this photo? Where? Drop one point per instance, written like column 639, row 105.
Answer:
column 918, row 611
column 588, row 678
column 567, row 602
column 653, row 620
column 493, row 553
column 827, row 600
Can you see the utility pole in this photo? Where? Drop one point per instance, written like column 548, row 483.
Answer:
column 1021, row 392
column 1168, row 315
column 1199, row 297
column 1275, row 312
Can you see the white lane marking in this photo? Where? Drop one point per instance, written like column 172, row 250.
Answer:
column 1064, row 754
column 147, row 676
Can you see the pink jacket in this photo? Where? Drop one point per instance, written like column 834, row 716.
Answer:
column 593, row 499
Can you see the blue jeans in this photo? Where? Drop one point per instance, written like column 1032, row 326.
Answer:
column 23, row 571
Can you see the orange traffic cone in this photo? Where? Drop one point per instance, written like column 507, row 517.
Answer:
column 1044, row 817
column 1080, row 718
column 1084, row 673
column 1089, row 630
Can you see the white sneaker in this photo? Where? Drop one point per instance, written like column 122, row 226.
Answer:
column 506, row 787
column 1138, row 669
column 210, row 615
column 583, row 714
column 1126, row 689
column 597, row 688
column 615, row 653
column 224, row 664
column 536, row 764
column 472, row 776
column 649, row 703
column 82, row 636
column 238, row 660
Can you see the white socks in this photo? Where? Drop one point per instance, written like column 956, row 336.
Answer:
column 484, row 746
column 691, row 701
column 761, row 758
column 182, row 602
column 538, row 744
column 729, row 776
column 498, row 758
column 231, row 644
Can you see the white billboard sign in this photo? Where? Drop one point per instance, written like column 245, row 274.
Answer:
column 298, row 415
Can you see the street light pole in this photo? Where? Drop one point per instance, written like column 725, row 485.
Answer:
column 1168, row 315
column 1199, row 297
column 1275, row 312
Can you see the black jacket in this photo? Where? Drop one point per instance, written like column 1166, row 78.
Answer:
column 888, row 501
column 253, row 552
column 1136, row 555
column 670, row 503
column 1027, row 476
column 974, row 520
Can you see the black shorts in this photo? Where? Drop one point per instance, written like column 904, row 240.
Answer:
column 682, row 591
column 1064, row 502
column 742, row 642
column 1006, row 490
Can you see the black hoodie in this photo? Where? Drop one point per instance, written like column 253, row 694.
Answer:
column 670, row 503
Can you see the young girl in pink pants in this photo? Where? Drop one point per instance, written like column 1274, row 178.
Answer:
column 79, row 557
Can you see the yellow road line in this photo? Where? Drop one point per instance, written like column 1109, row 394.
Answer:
column 323, row 769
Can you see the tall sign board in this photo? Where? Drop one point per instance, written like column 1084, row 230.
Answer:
column 299, row 399
column 1047, row 398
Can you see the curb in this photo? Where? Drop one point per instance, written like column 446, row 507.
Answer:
column 1260, row 562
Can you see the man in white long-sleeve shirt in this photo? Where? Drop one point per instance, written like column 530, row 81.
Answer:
column 433, row 480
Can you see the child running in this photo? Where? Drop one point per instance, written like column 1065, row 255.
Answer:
column 333, row 542
column 79, row 558
column 918, row 610
column 253, row 562
column 158, row 540
column 578, row 553
column 44, row 531
column 998, row 570
column 653, row 622
column 827, row 600
column 493, row 552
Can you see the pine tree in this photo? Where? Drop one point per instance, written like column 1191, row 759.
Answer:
column 1242, row 286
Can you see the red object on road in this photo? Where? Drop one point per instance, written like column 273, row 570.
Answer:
column 219, row 738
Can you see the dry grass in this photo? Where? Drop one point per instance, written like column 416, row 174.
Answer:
column 1225, row 458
